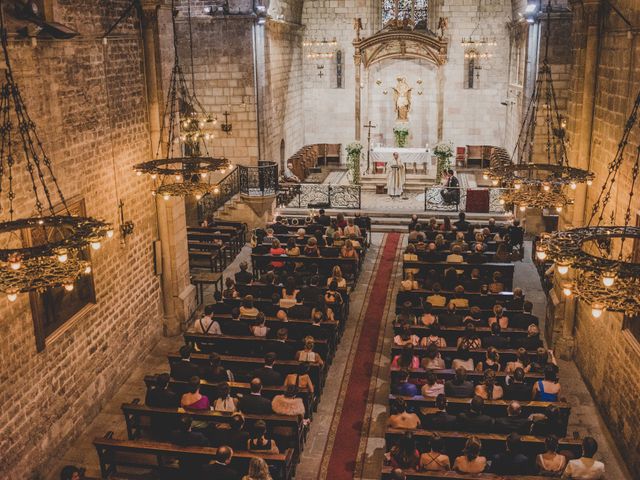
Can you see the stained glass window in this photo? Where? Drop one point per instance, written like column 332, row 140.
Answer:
column 405, row 12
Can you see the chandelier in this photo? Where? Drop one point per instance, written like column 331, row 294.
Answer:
column 44, row 250
column 533, row 183
column 606, row 268
column 187, row 168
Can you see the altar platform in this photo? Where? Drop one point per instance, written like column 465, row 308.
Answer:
column 415, row 181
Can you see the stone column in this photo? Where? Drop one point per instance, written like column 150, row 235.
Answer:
column 357, row 61
column 567, row 310
column 178, row 295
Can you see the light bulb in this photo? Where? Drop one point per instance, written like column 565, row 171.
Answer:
column 589, row 182
column 562, row 268
column 96, row 245
column 485, row 176
column 166, row 197
column 109, row 233
column 559, row 208
column 596, row 310
column 198, row 196
column 15, row 265
column 494, row 182
column 223, row 171
column 87, row 270
column 608, row 279
column 216, row 190
column 540, row 253
column 517, row 186
column 154, row 176
column 178, row 178
column 138, row 173
column 501, row 201
column 546, row 187
column 12, row 297
column 63, row 257
column 573, row 185
column 68, row 287
column 203, row 174
column 567, row 291
column 523, row 207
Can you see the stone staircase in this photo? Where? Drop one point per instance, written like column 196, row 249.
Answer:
column 415, row 182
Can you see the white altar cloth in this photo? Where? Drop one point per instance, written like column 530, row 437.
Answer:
column 407, row 155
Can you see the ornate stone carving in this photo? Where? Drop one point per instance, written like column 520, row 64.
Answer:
column 391, row 44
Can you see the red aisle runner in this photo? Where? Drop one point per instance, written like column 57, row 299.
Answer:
column 347, row 439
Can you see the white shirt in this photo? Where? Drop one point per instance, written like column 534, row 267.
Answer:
column 207, row 325
column 584, row 469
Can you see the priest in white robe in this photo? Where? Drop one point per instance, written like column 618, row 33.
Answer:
column 396, row 176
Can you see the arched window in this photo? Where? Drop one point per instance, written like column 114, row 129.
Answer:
column 471, row 69
column 398, row 13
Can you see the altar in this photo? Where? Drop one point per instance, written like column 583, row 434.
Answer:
column 417, row 158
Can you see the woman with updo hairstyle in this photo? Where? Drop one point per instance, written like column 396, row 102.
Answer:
column 488, row 390
column 471, row 461
column 307, row 354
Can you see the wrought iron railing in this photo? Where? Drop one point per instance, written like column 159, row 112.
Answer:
column 316, row 195
column 260, row 181
column 438, row 198
column 228, row 187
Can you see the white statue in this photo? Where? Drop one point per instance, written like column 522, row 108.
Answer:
column 402, row 97
column 396, row 177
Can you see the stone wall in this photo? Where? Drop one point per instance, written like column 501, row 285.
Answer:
column 48, row 398
column 470, row 116
column 606, row 354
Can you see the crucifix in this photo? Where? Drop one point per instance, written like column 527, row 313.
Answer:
column 226, row 126
column 369, row 126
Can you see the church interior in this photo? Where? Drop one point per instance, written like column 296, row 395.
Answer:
column 320, row 239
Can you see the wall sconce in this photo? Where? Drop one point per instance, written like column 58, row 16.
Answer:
column 384, row 92
column 226, row 126
column 126, row 226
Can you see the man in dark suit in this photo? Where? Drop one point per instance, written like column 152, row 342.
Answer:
column 311, row 292
column 235, row 436
column 161, row 396
column 513, row 422
column 316, row 330
column 431, row 254
column 526, row 318
column 516, row 234
column 267, row 375
column 512, row 461
column 279, row 227
column 234, row 326
column 516, row 388
column 451, row 192
column 517, row 301
column 451, row 318
column 474, row 282
column 220, row 469
column 475, row 420
column 243, row 277
column 477, row 256
column 280, row 347
column 461, row 224
column 323, row 219
column 255, row 403
column 441, row 420
column 459, row 386
column 496, row 339
column 184, row 369
column 185, row 437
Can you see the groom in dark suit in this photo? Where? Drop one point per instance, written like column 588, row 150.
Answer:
column 451, row 192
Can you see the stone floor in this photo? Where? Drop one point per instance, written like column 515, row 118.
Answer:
column 585, row 418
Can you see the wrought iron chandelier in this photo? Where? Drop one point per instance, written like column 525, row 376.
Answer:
column 606, row 274
column 44, row 250
column 532, row 183
column 187, row 168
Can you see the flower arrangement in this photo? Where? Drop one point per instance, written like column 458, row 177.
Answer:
column 444, row 151
column 401, row 133
column 354, row 151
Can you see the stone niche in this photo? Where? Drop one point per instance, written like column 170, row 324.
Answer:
column 379, row 102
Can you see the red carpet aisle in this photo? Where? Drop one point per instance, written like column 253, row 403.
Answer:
column 345, row 448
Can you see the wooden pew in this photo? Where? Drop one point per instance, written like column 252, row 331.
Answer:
column 157, row 456
column 493, row 408
column 139, row 417
column 250, row 346
column 420, row 375
column 478, row 355
column 296, row 327
column 261, row 263
column 211, row 390
column 486, row 269
column 451, row 475
column 451, row 334
column 492, row 443
column 243, row 366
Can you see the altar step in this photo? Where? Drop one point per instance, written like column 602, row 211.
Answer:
column 415, row 182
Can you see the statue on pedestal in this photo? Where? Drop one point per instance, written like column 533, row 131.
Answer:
column 402, row 98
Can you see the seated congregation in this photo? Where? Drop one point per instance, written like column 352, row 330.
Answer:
column 243, row 389
column 473, row 388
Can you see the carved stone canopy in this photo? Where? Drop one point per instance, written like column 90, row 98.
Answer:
column 401, row 44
